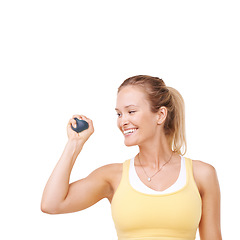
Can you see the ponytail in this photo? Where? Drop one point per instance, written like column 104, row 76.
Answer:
column 175, row 123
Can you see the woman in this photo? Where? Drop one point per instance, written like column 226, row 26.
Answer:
column 158, row 194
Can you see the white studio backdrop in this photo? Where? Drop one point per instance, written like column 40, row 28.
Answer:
column 60, row 58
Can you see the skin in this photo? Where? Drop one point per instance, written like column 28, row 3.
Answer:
column 133, row 112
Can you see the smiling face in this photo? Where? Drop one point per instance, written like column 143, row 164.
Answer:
column 135, row 119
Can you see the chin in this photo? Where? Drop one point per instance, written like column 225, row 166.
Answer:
column 130, row 143
column 132, row 140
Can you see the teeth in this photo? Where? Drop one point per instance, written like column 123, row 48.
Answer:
column 129, row 131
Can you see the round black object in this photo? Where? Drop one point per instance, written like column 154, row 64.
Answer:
column 81, row 125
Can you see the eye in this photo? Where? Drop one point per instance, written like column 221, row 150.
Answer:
column 119, row 114
column 131, row 112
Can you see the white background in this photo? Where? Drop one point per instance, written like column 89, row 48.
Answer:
column 59, row 58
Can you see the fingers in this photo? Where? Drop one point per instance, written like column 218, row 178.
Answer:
column 78, row 116
column 81, row 117
column 83, row 135
column 72, row 121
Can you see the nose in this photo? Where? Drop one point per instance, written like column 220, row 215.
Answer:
column 124, row 121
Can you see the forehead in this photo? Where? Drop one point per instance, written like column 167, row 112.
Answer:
column 131, row 95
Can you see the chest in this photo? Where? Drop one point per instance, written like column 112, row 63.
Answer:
column 173, row 215
column 133, row 211
column 158, row 180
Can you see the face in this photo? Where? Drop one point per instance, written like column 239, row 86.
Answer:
column 135, row 119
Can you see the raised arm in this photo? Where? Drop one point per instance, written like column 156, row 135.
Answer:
column 61, row 197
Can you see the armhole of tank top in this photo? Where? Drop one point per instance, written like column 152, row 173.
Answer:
column 125, row 165
column 190, row 170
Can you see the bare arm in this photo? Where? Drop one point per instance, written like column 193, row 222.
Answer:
column 59, row 196
column 207, row 181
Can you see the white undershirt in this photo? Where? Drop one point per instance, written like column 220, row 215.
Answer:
column 138, row 185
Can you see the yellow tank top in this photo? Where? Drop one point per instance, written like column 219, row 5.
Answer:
column 172, row 216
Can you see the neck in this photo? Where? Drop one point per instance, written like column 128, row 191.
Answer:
column 156, row 153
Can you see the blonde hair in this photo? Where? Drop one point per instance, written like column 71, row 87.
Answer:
column 160, row 95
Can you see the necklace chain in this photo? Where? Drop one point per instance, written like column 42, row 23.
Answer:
column 150, row 178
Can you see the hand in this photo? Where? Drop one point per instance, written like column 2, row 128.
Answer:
column 82, row 136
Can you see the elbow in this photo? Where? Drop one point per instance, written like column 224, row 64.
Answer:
column 46, row 210
column 49, row 209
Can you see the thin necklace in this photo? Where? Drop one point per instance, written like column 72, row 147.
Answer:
column 150, row 178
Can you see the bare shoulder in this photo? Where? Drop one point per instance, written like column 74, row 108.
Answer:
column 206, row 179
column 111, row 169
column 205, row 176
column 202, row 168
column 110, row 172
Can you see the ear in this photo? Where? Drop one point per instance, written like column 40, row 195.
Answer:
column 162, row 114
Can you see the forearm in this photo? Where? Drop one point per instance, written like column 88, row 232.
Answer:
column 57, row 186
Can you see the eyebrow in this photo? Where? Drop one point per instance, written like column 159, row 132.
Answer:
column 131, row 105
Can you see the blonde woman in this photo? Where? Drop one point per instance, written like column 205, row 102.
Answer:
column 158, row 194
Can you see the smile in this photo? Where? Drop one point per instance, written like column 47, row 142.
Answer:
column 129, row 131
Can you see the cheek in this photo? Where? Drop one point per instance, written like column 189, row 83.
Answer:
column 149, row 126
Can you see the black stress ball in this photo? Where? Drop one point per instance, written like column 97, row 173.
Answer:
column 81, row 125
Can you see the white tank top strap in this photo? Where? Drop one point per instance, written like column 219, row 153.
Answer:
column 138, row 185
